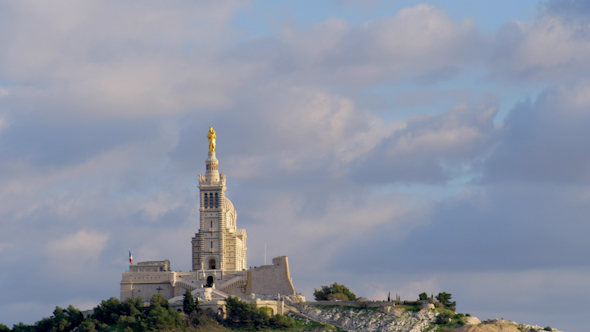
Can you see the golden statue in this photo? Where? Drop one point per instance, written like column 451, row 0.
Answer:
column 211, row 136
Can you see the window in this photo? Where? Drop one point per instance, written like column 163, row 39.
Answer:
column 210, row 200
column 211, row 223
column 216, row 200
column 211, row 244
column 206, row 200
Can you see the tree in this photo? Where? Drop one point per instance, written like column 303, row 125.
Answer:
column 445, row 299
column 21, row 327
column 334, row 292
column 423, row 296
column 160, row 314
column 188, row 303
column 389, row 297
column 108, row 311
column 4, row 328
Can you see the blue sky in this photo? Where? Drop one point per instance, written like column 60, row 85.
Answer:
column 392, row 146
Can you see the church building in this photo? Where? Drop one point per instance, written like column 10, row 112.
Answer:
column 218, row 253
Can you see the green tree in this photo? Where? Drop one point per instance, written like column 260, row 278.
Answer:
column 21, row 327
column 160, row 315
column 389, row 297
column 445, row 299
column 334, row 292
column 108, row 311
column 4, row 328
column 188, row 303
column 245, row 315
column 423, row 296
column 61, row 321
column 88, row 325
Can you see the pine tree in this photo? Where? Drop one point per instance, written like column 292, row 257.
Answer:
column 188, row 303
column 389, row 297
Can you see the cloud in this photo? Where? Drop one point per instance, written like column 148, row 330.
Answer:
column 576, row 8
column 432, row 148
column 75, row 253
column 546, row 48
column 86, row 60
column 545, row 141
column 416, row 39
column 499, row 228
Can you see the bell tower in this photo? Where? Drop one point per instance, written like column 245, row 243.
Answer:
column 218, row 246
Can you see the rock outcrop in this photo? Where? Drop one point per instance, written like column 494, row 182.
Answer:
column 401, row 320
column 368, row 320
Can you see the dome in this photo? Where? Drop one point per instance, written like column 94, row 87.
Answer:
column 228, row 205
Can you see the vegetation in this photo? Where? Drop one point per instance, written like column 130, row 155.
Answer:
column 445, row 300
column 247, row 316
column 448, row 318
column 189, row 305
column 423, row 296
column 334, row 292
column 131, row 316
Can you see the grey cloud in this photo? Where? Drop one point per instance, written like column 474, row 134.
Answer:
column 501, row 228
column 432, row 148
column 575, row 8
column 545, row 141
column 62, row 143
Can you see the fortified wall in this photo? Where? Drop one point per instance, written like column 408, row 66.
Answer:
column 272, row 279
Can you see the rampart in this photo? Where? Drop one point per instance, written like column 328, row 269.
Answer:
column 272, row 279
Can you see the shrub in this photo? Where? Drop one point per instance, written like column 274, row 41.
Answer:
column 324, row 293
column 281, row 321
column 548, row 328
column 443, row 318
column 423, row 296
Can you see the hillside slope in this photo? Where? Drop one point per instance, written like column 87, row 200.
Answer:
column 402, row 320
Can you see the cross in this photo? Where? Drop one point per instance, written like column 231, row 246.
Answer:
column 159, row 289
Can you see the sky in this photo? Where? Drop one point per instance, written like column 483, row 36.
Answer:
column 391, row 146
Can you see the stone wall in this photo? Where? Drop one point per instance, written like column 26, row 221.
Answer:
column 147, row 284
column 272, row 279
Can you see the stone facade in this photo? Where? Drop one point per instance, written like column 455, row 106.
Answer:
column 219, row 244
column 218, row 255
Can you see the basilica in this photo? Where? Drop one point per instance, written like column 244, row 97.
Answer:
column 218, row 255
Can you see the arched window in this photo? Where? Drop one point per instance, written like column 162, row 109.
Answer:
column 216, row 200
column 206, row 200
column 212, row 264
column 211, row 200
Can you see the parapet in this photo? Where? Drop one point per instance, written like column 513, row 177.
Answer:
column 151, row 266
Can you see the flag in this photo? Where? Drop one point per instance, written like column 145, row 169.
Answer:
column 130, row 257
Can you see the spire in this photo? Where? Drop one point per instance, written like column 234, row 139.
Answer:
column 212, row 175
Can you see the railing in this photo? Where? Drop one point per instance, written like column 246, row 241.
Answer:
column 186, row 284
column 232, row 283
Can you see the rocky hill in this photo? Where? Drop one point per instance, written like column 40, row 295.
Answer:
column 408, row 320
